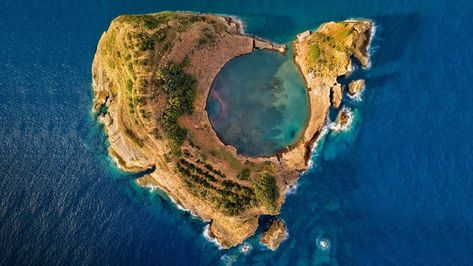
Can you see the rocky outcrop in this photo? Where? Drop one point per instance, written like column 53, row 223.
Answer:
column 322, row 57
column 356, row 86
column 344, row 119
column 301, row 36
column 274, row 235
column 263, row 44
column 337, row 95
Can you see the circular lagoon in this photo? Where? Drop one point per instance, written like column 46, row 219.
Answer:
column 258, row 103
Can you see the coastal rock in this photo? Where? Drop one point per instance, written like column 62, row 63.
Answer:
column 263, row 44
column 337, row 95
column 322, row 57
column 274, row 235
column 303, row 35
column 356, row 86
column 344, row 120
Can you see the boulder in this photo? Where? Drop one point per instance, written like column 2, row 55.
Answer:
column 337, row 95
column 356, row 86
column 275, row 234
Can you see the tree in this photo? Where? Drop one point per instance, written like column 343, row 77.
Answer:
column 266, row 191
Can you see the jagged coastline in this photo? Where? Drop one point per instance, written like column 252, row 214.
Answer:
column 139, row 61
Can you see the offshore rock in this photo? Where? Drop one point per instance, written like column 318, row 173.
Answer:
column 274, row 235
column 356, row 86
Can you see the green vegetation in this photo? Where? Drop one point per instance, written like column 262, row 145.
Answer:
column 145, row 42
column 179, row 87
column 314, row 52
column 148, row 21
column 244, row 174
column 226, row 156
column 129, row 85
column 266, row 191
column 328, row 50
column 217, row 172
column 111, row 63
column 207, row 38
column 235, row 198
column 197, row 170
column 230, row 197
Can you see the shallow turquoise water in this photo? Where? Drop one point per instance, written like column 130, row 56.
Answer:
column 258, row 103
column 397, row 190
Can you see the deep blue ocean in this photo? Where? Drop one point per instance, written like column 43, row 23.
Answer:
column 396, row 190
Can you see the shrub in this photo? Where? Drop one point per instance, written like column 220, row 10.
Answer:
column 244, row 174
column 179, row 87
column 145, row 42
column 149, row 21
column 266, row 191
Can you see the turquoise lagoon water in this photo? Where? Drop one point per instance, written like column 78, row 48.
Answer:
column 258, row 103
column 396, row 190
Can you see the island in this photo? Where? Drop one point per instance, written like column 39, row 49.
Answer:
column 152, row 75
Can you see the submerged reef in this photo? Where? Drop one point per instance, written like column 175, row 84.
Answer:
column 151, row 78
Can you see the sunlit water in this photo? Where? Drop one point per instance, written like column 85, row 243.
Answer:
column 396, row 190
column 258, row 103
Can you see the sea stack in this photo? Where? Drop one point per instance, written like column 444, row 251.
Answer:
column 356, row 86
column 275, row 234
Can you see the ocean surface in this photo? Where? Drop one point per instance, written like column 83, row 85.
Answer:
column 395, row 190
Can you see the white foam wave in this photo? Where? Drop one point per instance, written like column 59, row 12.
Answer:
column 180, row 207
column 228, row 260
column 368, row 48
column 213, row 240
column 323, row 243
column 346, row 127
column 357, row 97
column 153, row 188
column 325, row 130
column 313, row 153
column 245, row 248
column 239, row 21
column 292, row 189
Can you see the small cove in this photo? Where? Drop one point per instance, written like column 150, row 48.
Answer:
column 258, row 103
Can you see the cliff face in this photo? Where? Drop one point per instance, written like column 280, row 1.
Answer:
column 322, row 57
column 151, row 77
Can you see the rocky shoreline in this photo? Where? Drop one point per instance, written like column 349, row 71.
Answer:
column 203, row 175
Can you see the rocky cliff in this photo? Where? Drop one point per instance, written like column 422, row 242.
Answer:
column 322, row 57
